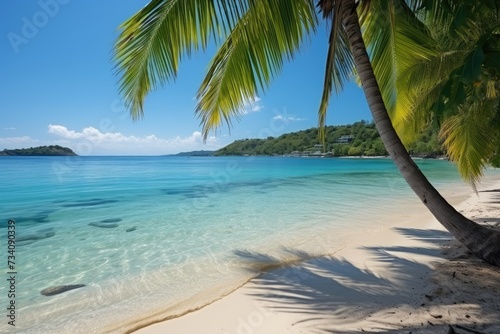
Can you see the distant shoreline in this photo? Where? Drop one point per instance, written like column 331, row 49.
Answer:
column 40, row 151
column 415, row 157
column 296, row 154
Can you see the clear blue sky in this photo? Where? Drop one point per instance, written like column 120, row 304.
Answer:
column 59, row 87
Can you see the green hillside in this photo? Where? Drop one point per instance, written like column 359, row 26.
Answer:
column 201, row 153
column 53, row 150
column 360, row 138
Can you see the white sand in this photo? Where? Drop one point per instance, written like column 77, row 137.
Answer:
column 396, row 280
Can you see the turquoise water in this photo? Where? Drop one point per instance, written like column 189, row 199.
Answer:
column 161, row 235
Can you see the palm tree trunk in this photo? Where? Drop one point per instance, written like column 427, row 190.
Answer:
column 480, row 240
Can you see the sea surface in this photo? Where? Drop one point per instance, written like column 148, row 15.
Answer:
column 151, row 236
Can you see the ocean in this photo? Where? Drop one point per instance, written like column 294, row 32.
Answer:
column 151, row 236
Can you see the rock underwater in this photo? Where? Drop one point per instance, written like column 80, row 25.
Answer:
column 55, row 290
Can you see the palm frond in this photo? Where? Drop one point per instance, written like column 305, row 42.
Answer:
column 444, row 82
column 269, row 32
column 423, row 83
column 453, row 16
column 339, row 67
column 471, row 138
column 437, row 84
column 153, row 41
column 395, row 39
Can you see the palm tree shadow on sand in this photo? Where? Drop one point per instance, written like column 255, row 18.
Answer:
column 330, row 295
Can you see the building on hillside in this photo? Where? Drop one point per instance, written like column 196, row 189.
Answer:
column 344, row 139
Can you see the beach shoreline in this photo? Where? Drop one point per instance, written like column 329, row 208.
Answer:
column 379, row 282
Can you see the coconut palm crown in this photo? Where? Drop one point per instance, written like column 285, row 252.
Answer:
column 451, row 79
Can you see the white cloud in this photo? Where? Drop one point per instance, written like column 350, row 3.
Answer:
column 91, row 141
column 10, row 128
column 288, row 118
column 252, row 105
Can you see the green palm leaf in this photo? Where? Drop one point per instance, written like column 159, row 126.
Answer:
column 424, row 82
column 471, row 138
column 269, row 32
column 395, row 39
column 339, row 65
column 153, row 41
column 444, row 72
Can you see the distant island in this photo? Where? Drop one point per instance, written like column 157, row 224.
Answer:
column 358, row 139
column 194, row 154
column 52, row 150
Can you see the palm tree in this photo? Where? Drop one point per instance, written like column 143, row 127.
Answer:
column 451, row 81
column 462, row 92
column 255, row 37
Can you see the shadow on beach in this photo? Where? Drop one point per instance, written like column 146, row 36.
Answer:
column 397, row 295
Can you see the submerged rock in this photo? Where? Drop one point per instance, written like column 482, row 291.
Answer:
column 55, row 290
column 91, row 202
column 32, row 237
column 107, row 223
column 37, row 235
column 35, row 219
column 104, row 225
column 111, row 220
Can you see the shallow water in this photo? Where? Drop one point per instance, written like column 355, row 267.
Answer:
column 150, row 235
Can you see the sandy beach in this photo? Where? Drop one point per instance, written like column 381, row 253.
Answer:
column 411, row 277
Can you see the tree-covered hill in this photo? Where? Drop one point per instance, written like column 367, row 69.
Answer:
column 360, row 138
column 201, row 153
column 52, row 150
